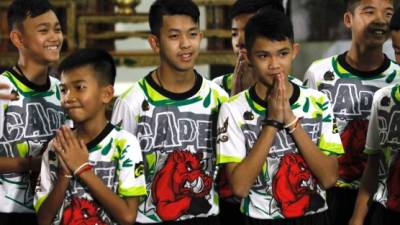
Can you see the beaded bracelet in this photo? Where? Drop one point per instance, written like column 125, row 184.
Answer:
column 295, row 125
column 84, row 169
column 80, row 167
column 291, row 123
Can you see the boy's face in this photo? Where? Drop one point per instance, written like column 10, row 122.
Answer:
column 369, row 22
column 179, row 42
column 270, row 58
column 396, row 44
column 41, row 37
column 81, row 95
column 238, row 26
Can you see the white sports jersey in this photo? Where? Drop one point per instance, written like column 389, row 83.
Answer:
column 384, row 138
column 26, row 126
column 176, row 133
column 116, row 159
column 285, row 188
column 350, row 92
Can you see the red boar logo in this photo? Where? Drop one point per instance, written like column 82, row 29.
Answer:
column 294, row 188
column 180, row 186
column 352, row 163
column 82, row 212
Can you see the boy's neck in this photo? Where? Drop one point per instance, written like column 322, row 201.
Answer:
column 173, row 80
column 364, row 58
column 263, row 91
column 89, row 130
column 33, row 71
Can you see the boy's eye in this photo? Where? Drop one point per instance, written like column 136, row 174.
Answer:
column 234, row 34
column 193, row 34
column 173, row 36
column 284, row 53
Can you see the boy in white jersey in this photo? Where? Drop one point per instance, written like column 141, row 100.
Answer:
column 94, row 174
column 30, row 120
column 280, row 173
column 380, row 180
column 241, row 79
column 173, row 112
column 350, row 81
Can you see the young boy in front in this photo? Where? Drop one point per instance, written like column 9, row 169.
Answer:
column 277, row 139
column 30, row 119
column 93, row 174
column 350, row 81
column 377, row 199
column 241, row 79
column 173, row 112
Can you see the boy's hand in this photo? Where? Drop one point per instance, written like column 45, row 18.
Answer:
column 242, row 75
column 62, row 167
column 275, row 100
column 73, row 152
column 12, row 96
column 287, row 110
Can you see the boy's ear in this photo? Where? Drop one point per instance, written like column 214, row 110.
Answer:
column 16, row 38
column 296, row 50
column 154, row 43
column 108, row 94
column 347, row 19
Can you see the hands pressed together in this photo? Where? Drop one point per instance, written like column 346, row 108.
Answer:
column 278, row 102
column 72, row 153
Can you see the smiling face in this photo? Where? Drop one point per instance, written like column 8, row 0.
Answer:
column 40, row 38
column 178, row 43
column 270, row 58
column 83, row 98
column 369, row 22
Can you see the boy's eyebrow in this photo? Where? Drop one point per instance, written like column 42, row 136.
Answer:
column 178, row 30
column 46, row 24
column 74, row 82
column 279, row 50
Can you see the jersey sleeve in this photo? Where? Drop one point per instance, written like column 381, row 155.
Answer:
column 309, row 78
column 47, row 177
column 130, row 167
column 372, row 143
column 330, row 142
column 124, row 115
column 230, row 139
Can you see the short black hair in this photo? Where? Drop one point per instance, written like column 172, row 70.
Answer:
column 253, row 6
column 161, row 8
column 395, row 21
column 269, row 23
column 351, row 4
column 19, row 10
column 100, row 60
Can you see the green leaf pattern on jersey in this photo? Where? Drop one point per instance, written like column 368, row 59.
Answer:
column 396, row 93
